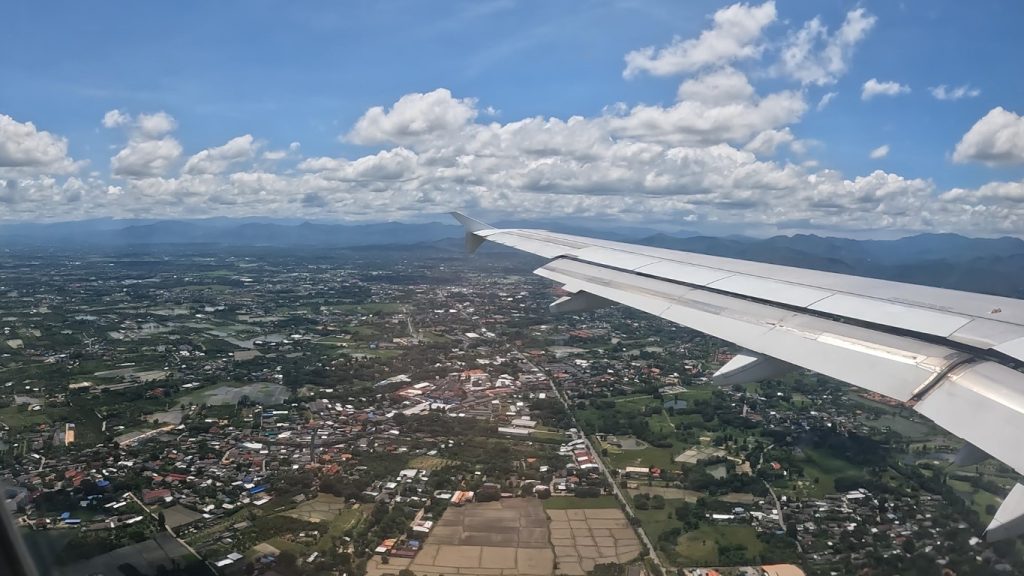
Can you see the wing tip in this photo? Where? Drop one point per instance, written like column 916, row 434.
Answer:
column 470, row 224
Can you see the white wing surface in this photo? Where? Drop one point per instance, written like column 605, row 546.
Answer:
column 949, row 354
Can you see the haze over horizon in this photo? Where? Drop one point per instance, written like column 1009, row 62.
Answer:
column 867, row 119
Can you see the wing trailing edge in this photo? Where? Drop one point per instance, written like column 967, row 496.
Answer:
column 942, row 352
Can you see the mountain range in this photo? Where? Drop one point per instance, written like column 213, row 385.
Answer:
column 991, row 265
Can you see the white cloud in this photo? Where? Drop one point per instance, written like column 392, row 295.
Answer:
column 874, row 88
column 941, row 92
column 996, row 139
column 720, row 86
column 115, row 118
column 1012, row 192
column 22, row 145
column 719, row 106
column 826, row 99
column 813, row 56
column 880, row 152
column 714, row 154
column 276, row 155
column 150, row 150
column 413, row 117
column 386, row 165
column 734, row 35
column 146, row 158
column 155, row 125
column 765, row 143
column 219, row 159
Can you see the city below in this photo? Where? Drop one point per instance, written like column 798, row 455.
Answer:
column 412, row 410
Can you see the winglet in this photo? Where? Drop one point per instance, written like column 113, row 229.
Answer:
column 470, row 224
column 473, row 241
column 1008, row 521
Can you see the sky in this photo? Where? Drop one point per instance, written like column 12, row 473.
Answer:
column 865, row 119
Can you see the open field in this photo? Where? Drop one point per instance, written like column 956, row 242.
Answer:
column 700, row 547
column 651, row 456
column 430, row 462
column 320, row 509
column 178, row 515
column 493, row 538
column 655, row 522
column 584, row 538
column 824, row 467
column 261, row 392
column 975, row 498
column 574, row 503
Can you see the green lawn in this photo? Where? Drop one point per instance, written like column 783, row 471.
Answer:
column 656, row 522
column 976, row 499
column 650, row 456
column 700, row 547
column 574, row 503
column 825, row 467
column 347, row 518
column 18, row 417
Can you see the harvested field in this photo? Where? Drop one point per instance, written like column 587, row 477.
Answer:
column 518, row 536
column 262, row 392
column 178, row 515
column 323, row 508
column 430, row 462
column 583, row 538
column 488, row 539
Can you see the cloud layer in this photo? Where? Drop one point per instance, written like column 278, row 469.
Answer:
column 718, row 151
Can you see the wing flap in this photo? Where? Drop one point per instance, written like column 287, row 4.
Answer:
column 977, row 320
column 896, row 366
column 795, row 316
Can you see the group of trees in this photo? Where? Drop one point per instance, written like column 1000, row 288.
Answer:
column 648, row 502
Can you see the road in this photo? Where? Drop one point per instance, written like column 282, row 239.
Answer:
column 408, row 320
column 597, row 454
column 604, row 468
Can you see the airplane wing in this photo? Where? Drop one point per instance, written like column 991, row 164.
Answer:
column 950, row 355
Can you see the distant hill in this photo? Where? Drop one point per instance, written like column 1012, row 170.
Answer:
column 990, row 265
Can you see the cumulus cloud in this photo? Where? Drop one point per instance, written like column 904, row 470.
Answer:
column 874, row 88
column 386, row 165
column 723, row 86
column 23, row 146
column 413, row 117
column 765, row 143
column 143, row 158
column 880, row 152
column 941, row 92
column 276, row 155
column 713, row 153
column 150, row 150
column 155, row 125
column 218, row 159
column 719, row 106
column 812, row 55
column 115, row 118
column 734, row 35
column 996, row 139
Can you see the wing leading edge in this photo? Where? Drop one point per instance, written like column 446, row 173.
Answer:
column 943, row 352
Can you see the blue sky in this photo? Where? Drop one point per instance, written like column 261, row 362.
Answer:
column 307, row 73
